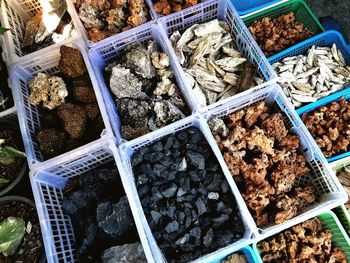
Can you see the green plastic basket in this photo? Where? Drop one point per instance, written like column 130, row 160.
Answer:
column 342, row 212
column 331, row 222
column 302, row 13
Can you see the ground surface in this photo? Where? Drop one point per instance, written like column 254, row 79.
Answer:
column 339, row 9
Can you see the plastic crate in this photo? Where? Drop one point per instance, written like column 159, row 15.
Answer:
column 222, row 10
column 104, row 53
column 328, row 188
column 79, row 24
column 245, row 7
column 324, row 39
column 128, row 149
column 48, row 183
column 322, row 102
column 301, row 11
column 342, row 212
column 331, row 222
column 13, row 15
column 247, row 251
column 28, row 115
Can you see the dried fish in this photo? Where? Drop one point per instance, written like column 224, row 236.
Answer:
column 246, row 79
column 230, row 64
column 209, row 27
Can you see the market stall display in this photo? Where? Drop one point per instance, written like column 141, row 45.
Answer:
column 174, row 131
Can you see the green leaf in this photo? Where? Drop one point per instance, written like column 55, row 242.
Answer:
column 3, row 182
column 3, row 30
column 9, row 154
column 12, row 231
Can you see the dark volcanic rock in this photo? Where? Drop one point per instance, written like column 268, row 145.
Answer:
column 185, row 196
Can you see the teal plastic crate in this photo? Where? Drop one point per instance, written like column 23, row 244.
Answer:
column 329, row 221
column 325, row 101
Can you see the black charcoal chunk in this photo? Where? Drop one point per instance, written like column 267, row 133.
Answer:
column 169, row 191
column 137, row 158
column 181, row 165
column 182, row 240
column 90, row 231
column 172, row 227
column 196, row 232
column 114, row 220
column 171, row 212
column 156, row 216
column 142, row 179
column 124, row 254
column 69, row 207
column 201, row 207
column 157, row 147
column 208, row 238
column 196, row 159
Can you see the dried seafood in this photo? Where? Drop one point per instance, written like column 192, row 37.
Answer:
column 263, row 158
column 214, row 68
column 166, row 7
column 330, row 127
column 321, row 72
column 236, row 258
column 274, row 35
column 306, row 242
column 104, row 18
column 145, row 90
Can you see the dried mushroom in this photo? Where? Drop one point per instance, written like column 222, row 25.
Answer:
column 166, row 7
column 143, row 84
column 69, row 113
column 330, row 127
column 306, row 242
column 106, row 18
column 214, row 68
column 236, row 258
column 319, row 73
column 263, row 158
column 274, row 35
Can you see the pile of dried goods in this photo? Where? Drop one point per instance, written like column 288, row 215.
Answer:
column 330, row 127
column 70, row 116
column 186, row 199
column 306, row 242
column 20, row 233
column 166, row 7
column 321, row 72
column 236, row 258
column 263, row 158
column 106, row 18
column 344, row 178
column 102, row 221
column 52, row 25
column 274, row 35
column 213, row 66
column 145, row 90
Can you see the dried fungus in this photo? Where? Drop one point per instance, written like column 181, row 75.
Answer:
column 106, row 18
column 307, row 242
column 263, row 158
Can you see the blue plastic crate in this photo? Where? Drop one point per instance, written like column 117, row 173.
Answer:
column 324, row 39
column 247, row 251
column 249, row 6
column 324, row 101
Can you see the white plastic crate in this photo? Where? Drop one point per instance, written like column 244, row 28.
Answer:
column 128, row 149
column 83, row 32
column 13, row 15
column 328, row 188
column 48, row 183
column 109, row 51
column 28, row 115
column 222, row 10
